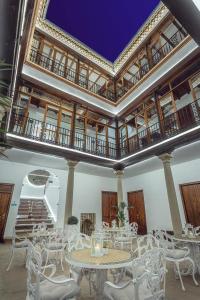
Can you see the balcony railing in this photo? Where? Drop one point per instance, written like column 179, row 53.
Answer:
column 69, row 74
column 156, row 58
column 48, row 133
column 173, row 124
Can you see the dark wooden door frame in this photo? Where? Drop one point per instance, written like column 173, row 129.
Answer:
column 7, row 212
column 182, row 197
column 113, row 192
column 136, row 191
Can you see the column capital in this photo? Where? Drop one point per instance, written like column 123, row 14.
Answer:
column 118, row 173
column 165, row 157
column 72, row 164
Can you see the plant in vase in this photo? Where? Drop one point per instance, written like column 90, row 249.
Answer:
column 121, row 214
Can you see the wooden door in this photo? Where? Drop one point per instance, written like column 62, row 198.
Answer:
column 191, row 200
column 5, row 198
column 185, row 116
column 137, row 210
column 109, row 206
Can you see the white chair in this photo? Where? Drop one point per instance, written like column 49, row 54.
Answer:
column 197, row 231
column 54, row 246
column 189, row 229
column 43, row 287
column 176, row 255
column 18, row 243
column 124, row 240
column 105, row 225
column 146, row 283
column 145, row 243
column 134, row 228
column 81, row 241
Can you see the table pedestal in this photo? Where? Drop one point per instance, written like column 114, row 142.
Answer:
column 101, row 278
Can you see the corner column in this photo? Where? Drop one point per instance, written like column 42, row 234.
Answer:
column 70, row 190
column 119, row 174
column 171, row 192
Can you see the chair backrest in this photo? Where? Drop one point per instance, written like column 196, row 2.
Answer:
column 34, row 264
column 189, row 229
column 134, row 227
column 146, row 242
column 154, row 262
column 105, row 225
column 166, row 240
column 39, row 228
column 114, row 223
column 197, row 230
column 81, row 241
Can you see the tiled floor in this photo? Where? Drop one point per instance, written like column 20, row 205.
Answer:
column 13, row 283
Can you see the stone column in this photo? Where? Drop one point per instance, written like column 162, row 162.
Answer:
column 119, row 174
column 171, row 192
column 70, row 190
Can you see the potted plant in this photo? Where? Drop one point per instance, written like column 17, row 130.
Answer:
column 72, row 220
column 121, row 214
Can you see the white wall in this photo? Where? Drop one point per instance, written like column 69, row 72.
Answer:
column 155, row 198
column 155, row 193
column 52, row 195
column 87, row 193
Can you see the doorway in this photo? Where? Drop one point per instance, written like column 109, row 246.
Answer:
column 136, row 210
column 6, row 191
column 109, row 206
column 191, row 201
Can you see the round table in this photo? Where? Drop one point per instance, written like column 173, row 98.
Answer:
column 193, row 243
column 112, row 260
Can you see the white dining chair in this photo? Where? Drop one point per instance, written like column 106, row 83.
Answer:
column 47, row 287
column 177, row 255
column 147, row 281
column 19, row 243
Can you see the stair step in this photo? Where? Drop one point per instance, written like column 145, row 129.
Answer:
column 25, row 228
column 29, row 225
column 33, row 221
column 31, row 212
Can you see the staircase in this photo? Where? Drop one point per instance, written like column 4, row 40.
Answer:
column 31, row 212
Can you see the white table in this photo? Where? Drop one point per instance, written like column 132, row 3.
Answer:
column 113, row 260
column 193, row 243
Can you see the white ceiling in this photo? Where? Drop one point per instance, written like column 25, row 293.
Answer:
column 54, row 162
column 183, row 154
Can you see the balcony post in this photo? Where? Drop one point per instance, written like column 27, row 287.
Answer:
column 70, row 190
column 77, row 71
column 171, row 192
column 73, row 124
column 117, row 139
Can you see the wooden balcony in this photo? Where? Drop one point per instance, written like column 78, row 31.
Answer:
column 82, row 81
column 174, row 124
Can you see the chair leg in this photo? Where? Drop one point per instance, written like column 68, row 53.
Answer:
column 179, row 274
column 193, row 271
column 47, row 259
column 61, row 260
column 11, row 259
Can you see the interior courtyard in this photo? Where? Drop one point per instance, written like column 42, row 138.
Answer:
column 99, row 150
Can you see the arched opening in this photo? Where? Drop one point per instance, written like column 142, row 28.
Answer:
column 38, row 200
